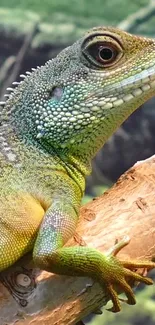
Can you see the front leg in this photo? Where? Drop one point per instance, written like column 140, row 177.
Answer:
column 58, row 226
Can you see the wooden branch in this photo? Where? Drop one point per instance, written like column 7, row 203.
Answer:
column 19, row 59
column 128, row 208
column 6, row 67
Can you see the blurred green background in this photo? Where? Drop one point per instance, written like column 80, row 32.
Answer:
column 33, row 31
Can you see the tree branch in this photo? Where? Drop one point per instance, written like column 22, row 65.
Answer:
column 19, row 59
column 139, row 17
column 128, row 208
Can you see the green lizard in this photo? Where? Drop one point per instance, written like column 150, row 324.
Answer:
column 52, row 125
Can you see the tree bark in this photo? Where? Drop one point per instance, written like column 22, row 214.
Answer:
column 28, row 296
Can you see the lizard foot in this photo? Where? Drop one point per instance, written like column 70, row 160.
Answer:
column 120, row 273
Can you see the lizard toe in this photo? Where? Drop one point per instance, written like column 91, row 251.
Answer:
column 114, row 298
column 137, row 277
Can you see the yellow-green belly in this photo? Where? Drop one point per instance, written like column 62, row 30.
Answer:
column 20, row 217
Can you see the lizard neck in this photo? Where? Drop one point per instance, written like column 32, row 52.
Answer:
column 20, row 151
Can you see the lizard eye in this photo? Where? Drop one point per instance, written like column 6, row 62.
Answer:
column 106, row 53
column 102, row 53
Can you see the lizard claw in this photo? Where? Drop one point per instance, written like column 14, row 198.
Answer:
column 115, row 300
column 123, row 273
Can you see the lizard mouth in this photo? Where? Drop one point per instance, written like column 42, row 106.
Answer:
column 144, row 81
column 135, row 86
column 126, row 91
column 145, row 77
column 139, row 86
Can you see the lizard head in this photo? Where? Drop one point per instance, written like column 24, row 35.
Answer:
column 77, row 100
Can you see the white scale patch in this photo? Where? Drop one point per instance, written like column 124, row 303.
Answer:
column 6, row 150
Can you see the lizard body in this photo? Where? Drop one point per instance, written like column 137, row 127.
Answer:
column 52, row 125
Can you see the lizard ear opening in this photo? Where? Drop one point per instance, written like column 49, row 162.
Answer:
column 102, row 50
column 56, row 93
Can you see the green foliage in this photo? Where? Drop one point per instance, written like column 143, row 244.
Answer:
column 13, row 20
column 62, row 22
column 101, row 9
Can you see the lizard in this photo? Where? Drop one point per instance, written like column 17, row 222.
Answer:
column 51, row 126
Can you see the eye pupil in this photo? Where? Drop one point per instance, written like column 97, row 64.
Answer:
column 105, row 54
